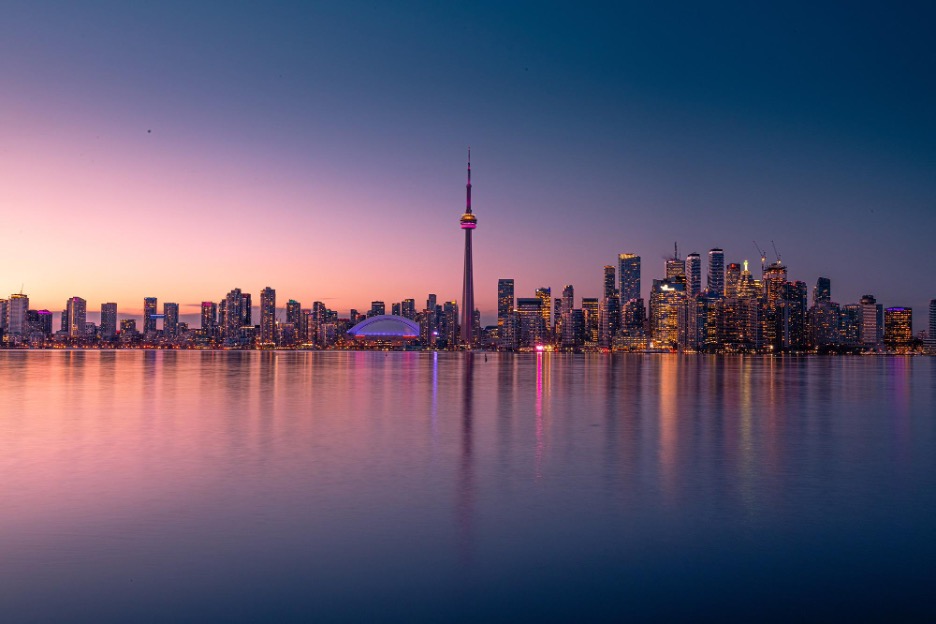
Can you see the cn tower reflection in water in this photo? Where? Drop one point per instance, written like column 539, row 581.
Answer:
column 464, row 487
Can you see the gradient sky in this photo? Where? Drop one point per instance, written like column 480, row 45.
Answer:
column 179, row 150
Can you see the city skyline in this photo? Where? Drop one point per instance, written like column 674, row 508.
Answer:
column 145, row 154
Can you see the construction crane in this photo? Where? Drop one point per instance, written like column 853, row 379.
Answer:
column 777, row 253
column 763, row 258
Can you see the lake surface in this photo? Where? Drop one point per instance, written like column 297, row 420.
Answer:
column 296, row 486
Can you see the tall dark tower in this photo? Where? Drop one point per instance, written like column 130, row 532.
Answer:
column 468, row 223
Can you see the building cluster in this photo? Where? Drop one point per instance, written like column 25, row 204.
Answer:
column 734, row 313
column 226, row 324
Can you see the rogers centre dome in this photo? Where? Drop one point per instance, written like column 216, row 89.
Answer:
column 385, row 327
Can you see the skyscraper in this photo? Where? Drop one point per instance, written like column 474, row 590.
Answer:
column 676, row 267
column 108, row 321
column 468, row 223
column 823, row 291
column 544, row 294
column 233, row 310
column 733, row 280
column 629, row 276
column 170, row 319
column 932, row 324
column 17, row 307
column 149, row 315
column 898, row 328
column 716, row 272
column 294, row 313
column 77, row 309
column 505, row 300
column 694, row 274
column 870, row 321
column 209, row 316
column 268, row 315
column 608, row 287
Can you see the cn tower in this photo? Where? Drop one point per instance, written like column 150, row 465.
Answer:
column 468, row 223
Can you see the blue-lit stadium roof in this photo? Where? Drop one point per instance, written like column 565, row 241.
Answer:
column 385, row 327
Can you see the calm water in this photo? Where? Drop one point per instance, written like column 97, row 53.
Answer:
column 225, row 486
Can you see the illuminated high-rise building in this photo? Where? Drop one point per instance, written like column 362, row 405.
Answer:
column 17, row 325
column 898, row 328
column 77, row 310
column 170, row 319
column 544, row 294
column 377, row 308
column 675, row 266
column 716, row 272
column 268, row 315
column 108, row 321
column 450, row 324
column 871, row 321
column 532, row 327
column 667, row 308
column 468, row 223
column 505, row 299
column 209, row 316
column 294, row 314
column 408, row 309
column 932, row 324
column 775, row 277
column 733, row 280
column 608, row 284
column 590, row 310
column 823, row 291
column 149, row 315
column 628, row 276
column 694, row 274
column 233, row 314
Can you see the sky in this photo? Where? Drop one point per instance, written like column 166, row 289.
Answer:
column 180, row 150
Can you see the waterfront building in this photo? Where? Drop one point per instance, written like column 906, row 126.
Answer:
column 716, row 272
column 850, row 325
column 149, row 315
column 377, row 308
column 824, row 325
column 170, row 319
column 531, row 321
column 268, row 316
column 450, row 321
column 108, row 321
column 694, row 274
column 544, row 294
column 898, row 329
column 628, row 276
column 77, row 311
column 128, row 332
column 17, row 324
column 468, row 223
column 609, row 320
column 505, row 299
column 871, row 322
column 667, row 308
column 590, row 310
column 932, row 325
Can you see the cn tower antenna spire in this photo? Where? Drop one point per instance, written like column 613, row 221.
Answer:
column 468, row 204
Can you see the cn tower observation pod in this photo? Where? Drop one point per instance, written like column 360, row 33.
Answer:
column 386, row 327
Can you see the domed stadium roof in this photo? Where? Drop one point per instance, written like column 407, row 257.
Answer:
column 385, row 327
